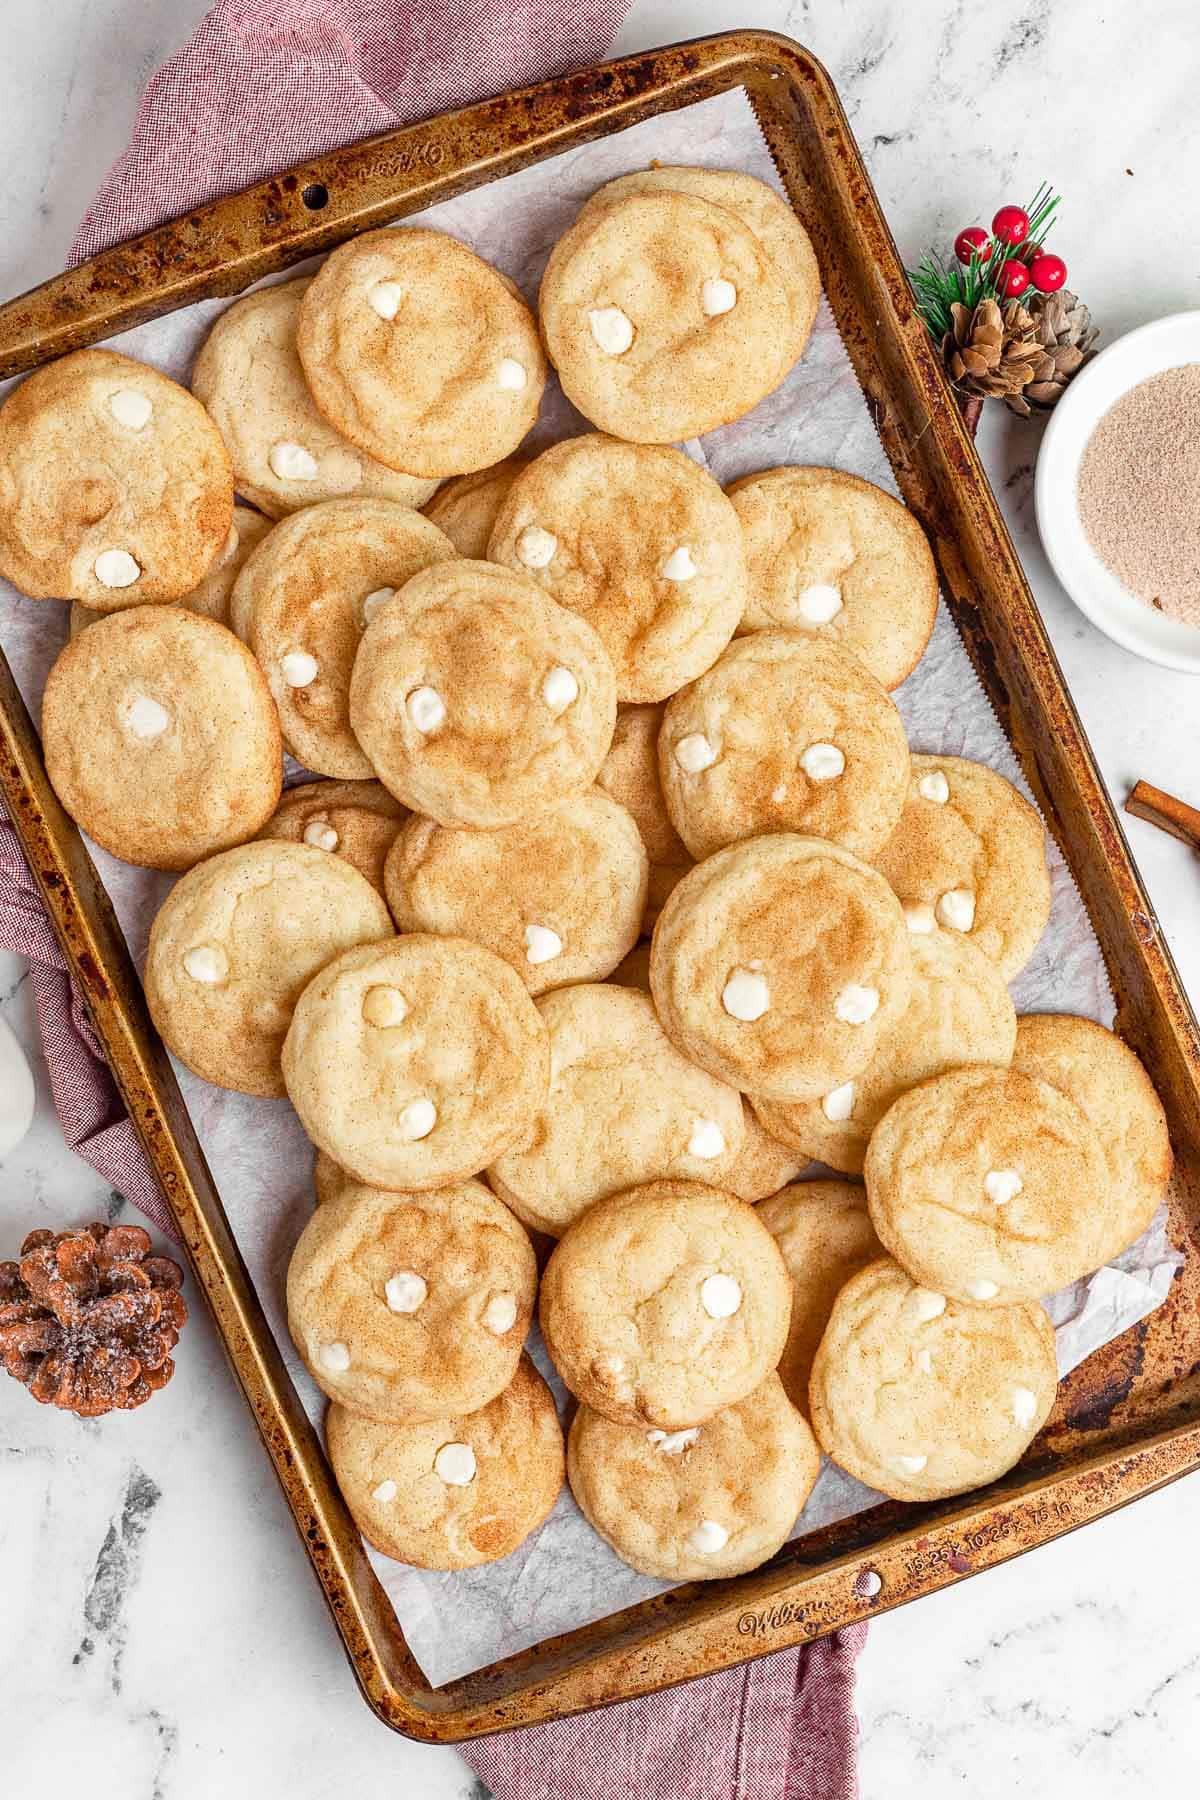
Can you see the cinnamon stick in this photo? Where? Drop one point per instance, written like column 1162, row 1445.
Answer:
column 1170, row 815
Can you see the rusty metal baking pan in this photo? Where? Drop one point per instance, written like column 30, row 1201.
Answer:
column 1128, row 1420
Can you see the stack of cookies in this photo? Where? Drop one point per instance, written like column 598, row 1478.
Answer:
column 609, row 902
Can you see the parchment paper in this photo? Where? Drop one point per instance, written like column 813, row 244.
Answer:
column 566, row 1576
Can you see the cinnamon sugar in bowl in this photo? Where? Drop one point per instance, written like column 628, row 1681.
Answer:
column 1117, row 491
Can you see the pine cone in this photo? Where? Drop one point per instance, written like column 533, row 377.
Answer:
column 1066, row 336
column 991, row 352
column 88, row 1319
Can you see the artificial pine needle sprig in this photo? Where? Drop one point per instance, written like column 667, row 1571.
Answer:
column 987, row 273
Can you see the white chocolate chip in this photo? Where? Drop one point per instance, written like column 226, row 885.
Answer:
column 612, row 329
column 129, row 406
column 334, row 1357
column 919, row 918
column 720, row 1296
column 1024, row 1406
column 426, row 709
column 674, row 1443
column 541, row 944
column 908, row 1465
column 934, row 786
column 823, row 762
column 694, row 753
column 385, row 298
column 143, row 717
column 925, row 1362
column 417, row 1119
column 779, row 794
column 718, row 296
column 116, row 569
column 560, row 690
column 536, row 547
column 819, row 603
column 746, row 996
column 708, row 1537
column 321, row 835
column 373, row 601
column 856, row 1004
column 405, row 1291
column 511, row 374
column 207, row 963
column 500, row 1314
column 384, row 1492
column 455, row 1464
column 298, row 668
column 384, row 1007
column 957, row 909
column 1002, row 1185
column 707, row 1140
column 982, row 1289
column 838, row 1104
column 926, row 1304
column 679, row 566
column 292, row 462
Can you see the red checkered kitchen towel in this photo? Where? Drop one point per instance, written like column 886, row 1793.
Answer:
column 262, row 84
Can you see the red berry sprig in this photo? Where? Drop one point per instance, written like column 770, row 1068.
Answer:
column 1048, row 273
column 1012, row 280
column 972, row 241
column 1001, row 265
column 1011, row 225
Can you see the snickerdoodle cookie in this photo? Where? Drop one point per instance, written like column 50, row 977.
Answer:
column 285, row 455
column 416, row 1062
column 115, row 487
column 412, row 1306
column 959, row 1011
column 641, row 542
column 769, row 217
column 161, row 738
column 825, row 1233
column 478, row 700
column 560, row 897
column 713, row 1500
column 991, row 1186
column 785, row 732
column 466, row 508
column 664, row 316
column 303, row 601
column 780, row 965
column 211, row 596
column 971, row 851
column 920, row 1396
column 459, row 1490
column 1110, row 1087
column 235, row 943
column 623, row 1108
column 420, row 352
column 630, row 774
column 664, row 1304
column 828, row 553
column 354, row 820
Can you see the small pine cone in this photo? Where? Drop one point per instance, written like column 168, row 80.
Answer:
column 1066, row 338
column 991, row 351
column 88, row 1319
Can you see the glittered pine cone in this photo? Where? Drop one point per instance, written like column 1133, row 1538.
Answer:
column 991, row 351
column 1066, row 338
column 88, row 1319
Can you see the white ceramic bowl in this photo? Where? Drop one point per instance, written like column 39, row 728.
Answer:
column 1165, row 344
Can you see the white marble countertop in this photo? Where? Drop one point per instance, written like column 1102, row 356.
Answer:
column 160, row 1634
